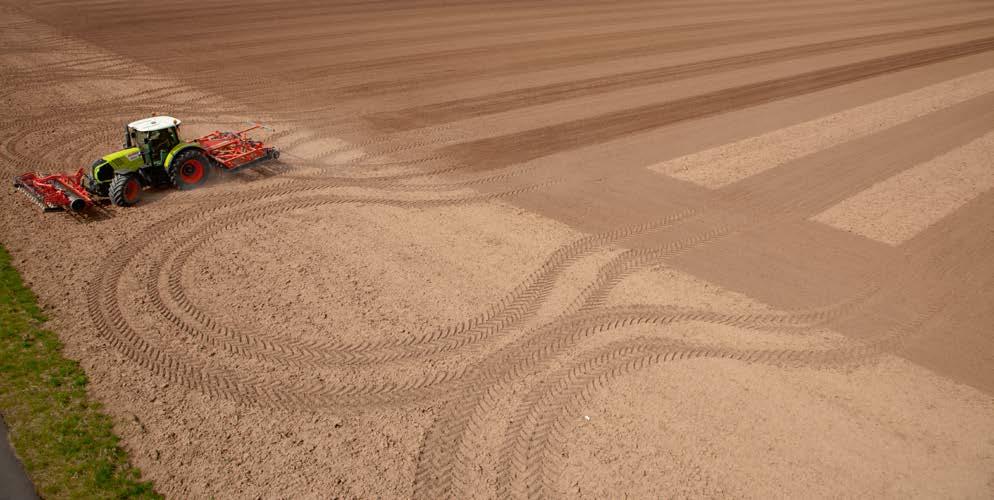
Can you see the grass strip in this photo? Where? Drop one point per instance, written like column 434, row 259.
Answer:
column 66, row 443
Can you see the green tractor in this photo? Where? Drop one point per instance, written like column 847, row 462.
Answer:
column 153, row 155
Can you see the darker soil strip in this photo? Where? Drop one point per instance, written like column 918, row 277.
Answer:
column 506, row 150
column 449, row 111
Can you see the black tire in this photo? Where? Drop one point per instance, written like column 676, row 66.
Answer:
column 190, row 169
column 125, row 190
column 274, row 154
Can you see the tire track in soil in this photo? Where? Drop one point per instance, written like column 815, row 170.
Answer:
column 107, row 316
column 608, row 276
column 442, row 448
column 518, row 305
column 272, row 190
column 534, row 440
column 277, row 191
column 435, row 469
column 536, row 288
column 436, row 472
column 537, row 430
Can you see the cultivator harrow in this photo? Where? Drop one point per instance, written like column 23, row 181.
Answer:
column 235, row 149
column 55, row 192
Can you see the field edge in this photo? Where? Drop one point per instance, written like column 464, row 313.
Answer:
column 64, row 440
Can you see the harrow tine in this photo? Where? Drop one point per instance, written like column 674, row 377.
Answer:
column 54, row 192
column 33, row 194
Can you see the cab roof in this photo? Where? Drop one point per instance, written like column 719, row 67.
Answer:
column 154, row 123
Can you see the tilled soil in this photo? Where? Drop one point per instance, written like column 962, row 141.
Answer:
column 722, row 248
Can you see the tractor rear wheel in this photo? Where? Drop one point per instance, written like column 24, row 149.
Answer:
column 189, row 169
column 125, row 190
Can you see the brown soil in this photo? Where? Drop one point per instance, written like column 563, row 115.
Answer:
column 722, row 248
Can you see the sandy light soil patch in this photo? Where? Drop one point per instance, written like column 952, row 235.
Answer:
column 895, row 210
column 724, row 165
column 716, row 428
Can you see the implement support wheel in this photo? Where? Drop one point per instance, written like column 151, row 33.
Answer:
column 125, row 190
column 189, row 169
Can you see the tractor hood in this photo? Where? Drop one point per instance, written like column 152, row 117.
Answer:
column 123, row 161
column 123, row 156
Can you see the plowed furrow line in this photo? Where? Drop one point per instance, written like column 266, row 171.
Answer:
column 535, row 143
column 574, row 45
column 505, row 101
column 525, row 25
column 428, row 73
column 94, row 66
column 380, row 48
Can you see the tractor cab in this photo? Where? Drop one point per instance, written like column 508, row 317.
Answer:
column 154, row 137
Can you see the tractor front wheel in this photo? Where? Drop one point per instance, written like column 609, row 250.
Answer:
column 125, row 190
column 189, row 169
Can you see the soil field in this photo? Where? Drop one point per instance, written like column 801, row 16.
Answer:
column 519, row 248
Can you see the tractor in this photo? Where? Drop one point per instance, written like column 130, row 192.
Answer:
column 154, row 154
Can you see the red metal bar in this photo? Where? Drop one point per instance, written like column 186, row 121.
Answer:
column 58, row 191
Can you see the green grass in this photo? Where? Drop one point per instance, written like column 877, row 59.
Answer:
column 64, row 440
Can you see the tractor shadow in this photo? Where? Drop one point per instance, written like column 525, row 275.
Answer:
column 253, row 172
column 101, row 209
column 96, row 213
column 153, row 195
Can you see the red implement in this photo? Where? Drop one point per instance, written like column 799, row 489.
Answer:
column 55, row 192
column 235, row 149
